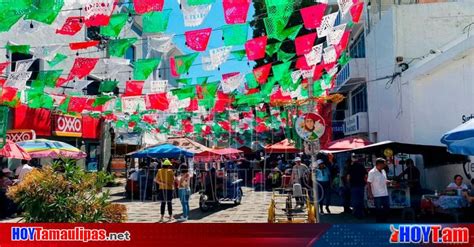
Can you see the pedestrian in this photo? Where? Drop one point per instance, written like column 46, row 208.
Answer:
column 346, row 188
column 324, row 189
column 357, row 176
column 165, row 179
column 377, row 190
column 299, row 175
column 413, row 179
column 184, row 192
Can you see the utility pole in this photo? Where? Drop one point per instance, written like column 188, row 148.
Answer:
column 312, row 147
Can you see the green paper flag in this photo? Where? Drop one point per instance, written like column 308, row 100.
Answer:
column 144, row 67
column 250, row 99
column 116, row 24
column 186, row 81
column 200, row 2
column 101, row 100
column 37, row 99
column 317, row 89
column 171, row 120
column 284, row 57
column 291, row 33
column 57, row 59
column 156, row 22
column 183, row 93
column 46, row 78
column 24, row 49
column 11, row 12
column 184, row 62
column 63, row 107
column 343, row 59
column 273, row 48
column 8, row 20
column 108, row 86
column 235, row 34
column 239, row 55
column 201, row 80
column 275, row 25
column 266, row 89
column 208, row 95
column 286, row 82
column 251, row 81
column 281, row 70
column 45, row 11
column 118, row 47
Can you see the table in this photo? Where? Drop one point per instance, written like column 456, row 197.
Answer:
column 445, row 204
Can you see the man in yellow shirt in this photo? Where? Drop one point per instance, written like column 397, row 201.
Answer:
column 165, row 180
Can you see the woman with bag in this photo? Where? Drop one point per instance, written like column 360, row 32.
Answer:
column 184, row 192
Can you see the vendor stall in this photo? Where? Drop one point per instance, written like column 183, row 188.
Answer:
column 217, row 154
column 282, row 147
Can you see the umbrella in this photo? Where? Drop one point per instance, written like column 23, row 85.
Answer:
column 348, row 143
column 13, row 151
column 460, row 140
column 43, row 148
column 162, row 151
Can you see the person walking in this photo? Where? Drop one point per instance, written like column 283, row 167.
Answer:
column 356, row 177
column 184, row 192
column 324, row 190
column 165, row 179
column 377, row 190
column 300, row 175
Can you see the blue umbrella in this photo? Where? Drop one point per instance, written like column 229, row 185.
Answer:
column 461, row 139
column 162, row 151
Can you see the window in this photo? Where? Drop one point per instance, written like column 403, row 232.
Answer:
column 359, row 100
column 35, row 67
column 130, row 53
column 357, row 49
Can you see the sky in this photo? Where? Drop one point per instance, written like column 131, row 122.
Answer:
column 214, row 20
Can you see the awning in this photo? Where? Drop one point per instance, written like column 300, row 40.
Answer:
column 285, row 146
column 217, row 154
column 162, row 151
column 431, row 154
column 348, row 143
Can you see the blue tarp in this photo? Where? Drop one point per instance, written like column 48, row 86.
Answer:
column 162, row 151
column 461, row 139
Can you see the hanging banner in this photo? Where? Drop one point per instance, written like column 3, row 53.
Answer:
column 67, row 125
column 19, row 135
column 133, row 104
column 310, row 126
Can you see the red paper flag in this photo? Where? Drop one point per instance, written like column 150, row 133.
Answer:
column 61, row 81
column 356, row 11
column 77, row 104
column 97, row 12
column 193, row 106
column 157, row 101
column 304, row 44
column 261, row 127
column 144, row 6
column 133, row 88
column 90, row 106
column 313, row 15
column 197, row 39
column 223, row 100
column 301, row 63
column 278, row 97
column 255, row 48
column 235, row 11
column 325, row 111
column 187, row 126
column 199, row 92
column 318, row 72
column 343, row 43
column 83, row 45
column 71, row 26
column 174, row 72
column 3, row 66
column 9, row 93
column 229, row 75
column 225, row 125
column 147, row 118
column 81, row 68
column 261, row 73
column 253, row 91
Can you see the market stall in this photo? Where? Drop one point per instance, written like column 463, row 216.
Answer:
column 216, row 154
column 282, row 147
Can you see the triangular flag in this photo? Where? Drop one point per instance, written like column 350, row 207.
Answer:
column 118, row 47
column 194, row 15
column 255, row 48
column 284, row 57
column 251, row 81
column 330, row 54
column 77, row 104
column 162, row 43
column 97, row 12
column 185, row 81
column 231, row 81
column 23, row 49
column 117, row 22
column 46, row 52
column 57, row 59
column 45, row 11
column 303, row 44
column 82, row 67
column 46, row 78
column 184, row 62
column 335, row 34
column 235, row 11
column 144, row 67
column 239, row 54
column 314, row 56
column 83, row 45
column 280, row 70
column 156, row 22
column 71, row 26
column 290, row 33
column 356, row 11
column 197, row 39
column 235, row 34
column 327, row 24
column 261, row 73
column 344, row 6
column 312, row 16
column 145, row 6
column 133, row 88
column 273, row 48
column 108, row 86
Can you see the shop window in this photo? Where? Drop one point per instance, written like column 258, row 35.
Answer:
column 357, row 49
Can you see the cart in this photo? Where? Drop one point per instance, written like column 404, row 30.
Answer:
column 281, row 207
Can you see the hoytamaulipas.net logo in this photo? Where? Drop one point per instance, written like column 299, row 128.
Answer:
column 75, row 234
column 435, row 234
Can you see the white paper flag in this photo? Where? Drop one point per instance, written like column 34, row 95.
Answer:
column 335, row 34
column 232, row 83
column 217, row 57
column 23, row 65
column 314, row 56
column 173, row 103
column 46, row 52
column 162, row 43
column 18, row 79
column 330, row 54
column 194, row 15
column 114, row 65
column 326, row 24
column 158, row 86
column 184, row 103
column 295, row 75
column 132, row 104
column 308, row 73
column 344, row 6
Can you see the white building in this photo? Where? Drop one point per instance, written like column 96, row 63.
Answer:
column 434, row 94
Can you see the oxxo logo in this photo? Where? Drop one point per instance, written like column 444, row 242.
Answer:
column 429, row 234
column 68, row 124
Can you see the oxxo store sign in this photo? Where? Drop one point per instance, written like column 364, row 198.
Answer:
column 357, row 123
column 67, row 125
